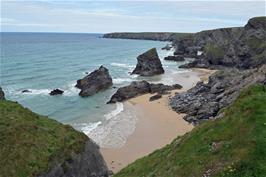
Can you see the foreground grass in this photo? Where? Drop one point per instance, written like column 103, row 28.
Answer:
column 233, row 146
column 30, row 143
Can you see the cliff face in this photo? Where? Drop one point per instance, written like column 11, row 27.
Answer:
column 146, row 36
column 33, row 145
column 242, row 47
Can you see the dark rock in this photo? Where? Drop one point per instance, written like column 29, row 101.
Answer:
column 155, row 97
column 241, row 47
column 89, row 163
column 94, row 82
column 130, row 91
column 56, row 92
column 26, row 91
column 162, row 88
column 205, row 100
column 149, row 64
column 2, row 94
column 175, row 58
column 140, row 88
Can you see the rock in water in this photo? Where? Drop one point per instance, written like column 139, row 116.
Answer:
column 26, row 91
column 140, row 88
column 56, row 92
column 149, row 64
column 96, row 81
column 2, row 94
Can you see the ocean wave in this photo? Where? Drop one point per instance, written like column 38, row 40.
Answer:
column 114, row 132
column 119, row 109
column 87, row 128
column 71, row 90
column 122, row 65
column 35, row 92
column 121, row 80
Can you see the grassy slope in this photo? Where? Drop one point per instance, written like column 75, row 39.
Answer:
column 232, row 146
column 28, row 141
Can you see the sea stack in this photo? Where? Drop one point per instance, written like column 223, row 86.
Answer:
column 149, row 64
column 96, row 81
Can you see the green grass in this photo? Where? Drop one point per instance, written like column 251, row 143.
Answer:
column 234, row 146
column 30, row 144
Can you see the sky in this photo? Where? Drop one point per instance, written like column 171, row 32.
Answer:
column 86, row 16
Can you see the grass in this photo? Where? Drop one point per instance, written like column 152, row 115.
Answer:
column 234, row 146
column 30, row 144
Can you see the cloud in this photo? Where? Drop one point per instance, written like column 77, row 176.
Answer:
column 81, row 16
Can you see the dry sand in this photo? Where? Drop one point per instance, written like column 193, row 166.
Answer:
column 157, row 124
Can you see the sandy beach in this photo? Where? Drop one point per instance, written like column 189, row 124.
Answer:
column 157, row 124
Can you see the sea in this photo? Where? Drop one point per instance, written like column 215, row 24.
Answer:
column 41, row 62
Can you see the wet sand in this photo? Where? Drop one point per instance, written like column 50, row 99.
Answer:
column 157, row 124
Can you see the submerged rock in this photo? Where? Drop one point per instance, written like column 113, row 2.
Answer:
column 149, row 64
column 26, row 91
column 2, row 94
column 140, row 88
column 96, row 81
column 56, row 92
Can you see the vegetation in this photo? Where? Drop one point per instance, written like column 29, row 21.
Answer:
column 214, row 53
column 234, row 146
column 30, row 143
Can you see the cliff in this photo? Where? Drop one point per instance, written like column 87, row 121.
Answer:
column 159, row 36
column 241, row 47
column 231, row 146
column 34, row 145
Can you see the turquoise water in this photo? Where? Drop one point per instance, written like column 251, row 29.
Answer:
column 41, row 62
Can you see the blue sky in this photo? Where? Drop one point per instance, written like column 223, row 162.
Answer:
column 132, row 16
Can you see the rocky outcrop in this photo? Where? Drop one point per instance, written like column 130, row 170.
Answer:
column 56, row 92
column 241, row 47
column 175, row 58
column 2, row 94
column 149, row 64
column 146, row 36
column 96, row 81
column 205, row 100
column 89, row 163
column 140, row 88
column 155, row 97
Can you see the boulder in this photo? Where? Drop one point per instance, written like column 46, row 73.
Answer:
column 140, row 88
column 56, row 92
column 130, row 91
column 155, row 97
column 149, row 64
column 2, row 94
column 175, row 58
column 96, row 81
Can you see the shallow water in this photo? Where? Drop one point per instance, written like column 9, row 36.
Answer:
column 41, row 62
